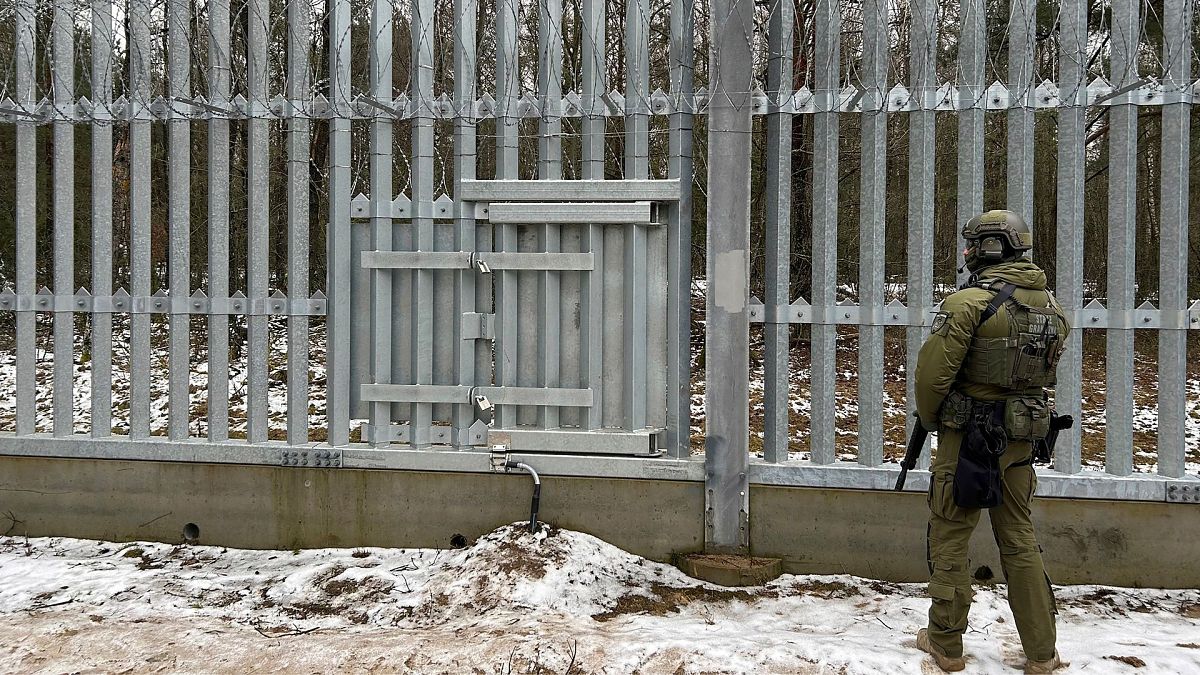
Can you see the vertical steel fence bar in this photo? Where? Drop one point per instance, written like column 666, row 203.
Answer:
column 139, row 216
column 1122, row 240
column 337, row 354
column 1073, row 55
column 219, row 85
column 825, row 216
column 872, row 256
column 63, row 63
column 179, row 16
column 299, row 149
column 637, row 166
column 921, row 133
column 422, row 200
column 679, row 235
column 381, row 139
column 26, row 216
column 781, row 39
column 612, row 314
column 258, row 221
column 727, row 338
column 591, row 306
column 466, row 352
column 1173, row 254
column 508, row 90
column 550, row 48
column 654, row 334
column 972, row 91
column 102, row 201
column 1022, row 22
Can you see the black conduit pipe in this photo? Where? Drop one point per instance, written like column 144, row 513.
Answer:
column 537, row 492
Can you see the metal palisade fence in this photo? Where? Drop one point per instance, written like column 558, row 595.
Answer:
column 498, row 202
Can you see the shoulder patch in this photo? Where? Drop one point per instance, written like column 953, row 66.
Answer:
column 941, row 323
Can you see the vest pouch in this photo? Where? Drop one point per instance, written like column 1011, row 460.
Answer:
column 1027, row 418
column 990, row 361
column 956, row 411
column 1037, row 349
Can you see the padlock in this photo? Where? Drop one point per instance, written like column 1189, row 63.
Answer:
column 483, row 408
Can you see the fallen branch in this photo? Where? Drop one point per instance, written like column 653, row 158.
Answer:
column 35, row 608
column 282, row 635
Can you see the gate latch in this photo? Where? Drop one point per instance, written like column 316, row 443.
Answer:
column 499, row 458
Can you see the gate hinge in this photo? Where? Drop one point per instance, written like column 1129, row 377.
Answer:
column 325, row 457
column 477, row 326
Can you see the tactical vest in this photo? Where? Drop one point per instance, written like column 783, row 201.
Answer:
column 1027, row 356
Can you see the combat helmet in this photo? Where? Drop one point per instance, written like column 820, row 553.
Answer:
column 995, row 237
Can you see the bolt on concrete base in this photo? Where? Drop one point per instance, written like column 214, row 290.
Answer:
column 730, row 570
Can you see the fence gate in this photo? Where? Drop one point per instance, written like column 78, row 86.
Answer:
column 537, row 305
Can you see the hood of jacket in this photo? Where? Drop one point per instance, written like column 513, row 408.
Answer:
column 1021, row 273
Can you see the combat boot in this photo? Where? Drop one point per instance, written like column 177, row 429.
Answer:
column 949, row 664
column 1048, row 666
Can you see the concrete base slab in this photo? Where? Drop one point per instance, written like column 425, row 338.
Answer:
column 874, row 534
column 730, row 570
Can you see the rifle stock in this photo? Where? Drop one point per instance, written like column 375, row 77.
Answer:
column 916, row 442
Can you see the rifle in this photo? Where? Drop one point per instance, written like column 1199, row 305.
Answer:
column 916, row 443
column 1043, row 450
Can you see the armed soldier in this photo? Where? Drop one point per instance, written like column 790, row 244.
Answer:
column 980, row 384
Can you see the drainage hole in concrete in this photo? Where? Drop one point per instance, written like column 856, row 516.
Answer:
column 191, row 532
column 984, row 573
column 458, row 541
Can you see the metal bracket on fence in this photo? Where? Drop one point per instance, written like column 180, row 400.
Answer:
column 1093, row 315
column 476, row 435
column 402, row 208
column 1177, row 93
column 661, row 103
column 797, row 312
column 9, row 108
column 1183, row 494
column 499, row 458
column 1147, row 316
column 1046, row 95
column 329, row 458
column 843, row 314
column 476, row 326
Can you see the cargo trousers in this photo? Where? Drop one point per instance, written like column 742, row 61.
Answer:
column 950, row 526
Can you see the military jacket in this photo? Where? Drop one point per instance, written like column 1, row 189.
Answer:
column 957, row 327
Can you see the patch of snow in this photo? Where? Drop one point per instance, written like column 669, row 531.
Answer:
column 514, row 602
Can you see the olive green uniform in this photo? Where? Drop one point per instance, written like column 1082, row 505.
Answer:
column 950, row 361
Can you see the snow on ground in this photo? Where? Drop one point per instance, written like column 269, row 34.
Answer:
column 558, row 601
